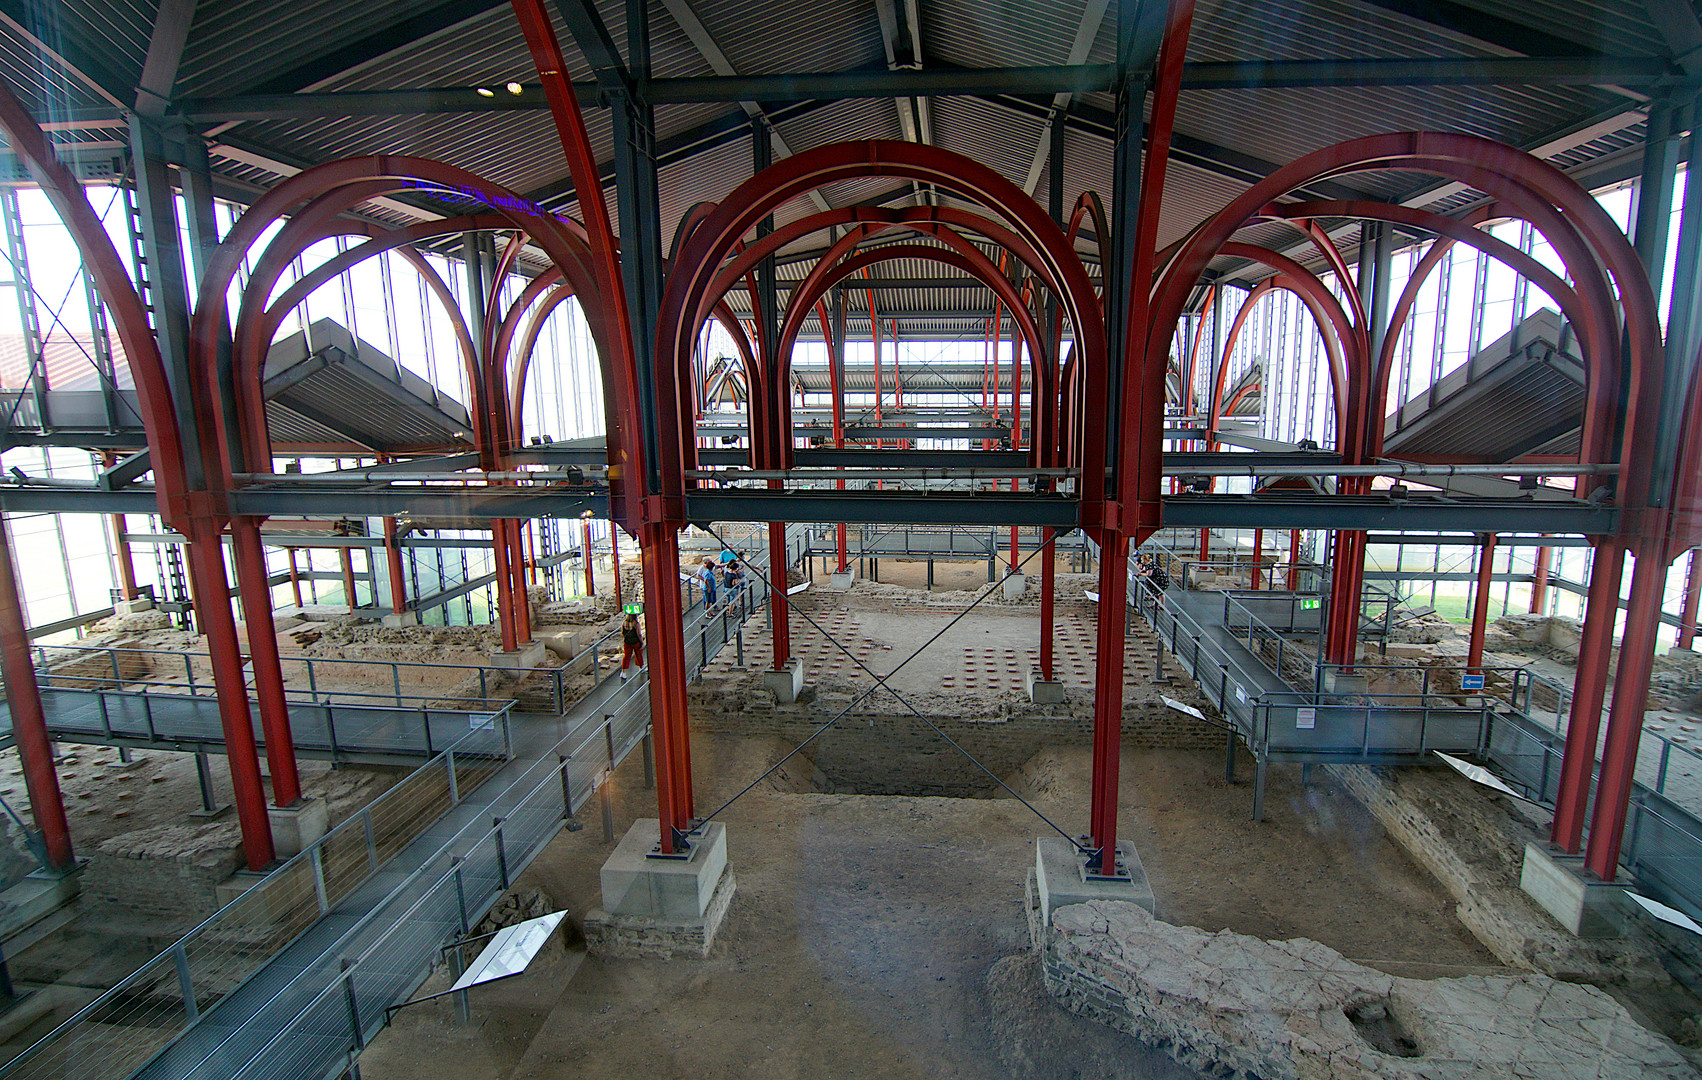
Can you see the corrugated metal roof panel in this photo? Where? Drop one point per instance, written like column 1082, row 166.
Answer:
column 804, row 35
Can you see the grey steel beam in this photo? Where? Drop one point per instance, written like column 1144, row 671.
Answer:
column 126, row 471
column 683, row 145
column 408, row 33
column 165, row 50
column 1681, row 31
column 941, row 79
column 1379, row 512
column 888, row 507
column 1473, row 540
column 1481, row 26
column 38, row 25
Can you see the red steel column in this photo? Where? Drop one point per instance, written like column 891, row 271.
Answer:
column 1692, row 594
column 347, row 557
column 1108, row 694
column 29, row 722
column 1205, row 545
column 1258, row 549
column 263, row 654
column 1293, row 559
column 1048, row 571
column 126, row 566
column 1480, row 602
column 295, row 576
column 212, row 592
column 585, row 546
column 504, row 587
column 615, row 560
column 781, row 614
column 1539, row 580
column 393, row 560
column 1595, row 652
column 517, row 590
column 659, row 552
column 1630, row 697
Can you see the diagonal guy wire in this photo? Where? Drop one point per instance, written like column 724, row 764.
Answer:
column 880, row 684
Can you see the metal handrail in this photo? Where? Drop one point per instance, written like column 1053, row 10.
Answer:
column 282, row 879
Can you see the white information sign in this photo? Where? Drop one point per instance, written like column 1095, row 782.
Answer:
column 1183, row 707
column 510, row 951
column 1305, row 719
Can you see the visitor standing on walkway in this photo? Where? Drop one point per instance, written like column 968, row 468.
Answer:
column 632, row 645
column 707, row 576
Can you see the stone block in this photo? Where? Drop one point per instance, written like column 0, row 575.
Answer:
column 1565, row 634
column 1013, row 587
column 400, row 618
column 1060, row 878
column 133, row 607
column 298, row 826
column 1410, row 651
column 785, row 684
column 1339, row 682
column 840, row 580
column 1043, row 691
column 525, row 658
column 1586, row 907
column 634, row 936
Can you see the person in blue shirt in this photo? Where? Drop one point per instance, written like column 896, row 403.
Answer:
column 706, row 575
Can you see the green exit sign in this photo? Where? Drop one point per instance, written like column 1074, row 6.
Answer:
column 633, row 609
column 1309, row 605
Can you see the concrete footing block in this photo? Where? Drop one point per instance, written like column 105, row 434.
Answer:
column 1585, row 906
column 841, row 580
column 525, row 658
column 1014, row 586
column 298, row 826
column 661, row 907
column 131, row 607
column 400, row 618
column 787, row 683
column 237, row 884
column 1060, row 878
column 1043, row 691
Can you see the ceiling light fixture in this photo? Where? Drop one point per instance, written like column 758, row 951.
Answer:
column 515, row 88
column 485, row 91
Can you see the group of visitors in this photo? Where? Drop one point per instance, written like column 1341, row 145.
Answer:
column 712, row 574
column 731, row 577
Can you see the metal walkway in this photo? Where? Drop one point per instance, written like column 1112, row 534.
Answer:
column 371, row 734
column 358, row 924
column 1289, row 707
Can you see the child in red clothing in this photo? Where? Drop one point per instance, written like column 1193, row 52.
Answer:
column 632, row 645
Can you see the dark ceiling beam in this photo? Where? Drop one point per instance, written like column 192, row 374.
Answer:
column 1480, row 26
column 1450, row 71
column 37, row 25
column 598, row 47
column 350, row 58
column 1198, row 153
column 734, row 127
column 165, row 51
column 945, row 82
column 902, row 283
column 1680, row 29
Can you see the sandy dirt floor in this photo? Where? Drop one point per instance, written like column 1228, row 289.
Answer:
column 884, row 936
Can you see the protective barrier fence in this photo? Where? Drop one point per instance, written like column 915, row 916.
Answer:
column 117, row 1032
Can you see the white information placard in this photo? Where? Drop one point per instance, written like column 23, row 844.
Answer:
column 1305, row 719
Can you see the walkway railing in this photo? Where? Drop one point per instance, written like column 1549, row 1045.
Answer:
column 89, row 666
column 1515, row 721
column 339, row 732
column 117, row 1032
column 390, row 951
